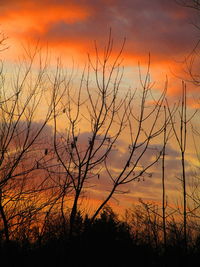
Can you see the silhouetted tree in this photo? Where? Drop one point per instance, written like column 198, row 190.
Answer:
column 22, row 138
column 108, row 115
column 180, row 134
column 195, row 4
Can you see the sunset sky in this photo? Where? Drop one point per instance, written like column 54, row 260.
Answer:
column 69, row 28
column 162, row 28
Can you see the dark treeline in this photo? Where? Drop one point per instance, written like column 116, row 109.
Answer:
column 136, row 240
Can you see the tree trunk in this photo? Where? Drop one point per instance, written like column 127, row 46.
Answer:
column 5, row 222
column 73, row 214
column 184, row 202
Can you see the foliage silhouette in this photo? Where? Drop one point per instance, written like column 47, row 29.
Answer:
column 108, row 241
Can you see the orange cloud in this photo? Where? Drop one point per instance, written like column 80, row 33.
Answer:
column 30, row 17
column 70, row 27
column 161, row 29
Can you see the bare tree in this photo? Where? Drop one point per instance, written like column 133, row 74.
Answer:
column 163, row 182
column 22, row 145
column 143, row 127
column 180, row 134
column 194, row 4
column 107, row 115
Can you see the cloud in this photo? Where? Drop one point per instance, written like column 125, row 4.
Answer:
column 159, row 27
column 148, row 28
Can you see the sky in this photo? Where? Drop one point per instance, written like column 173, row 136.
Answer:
column 162, row 28
column 69, row 28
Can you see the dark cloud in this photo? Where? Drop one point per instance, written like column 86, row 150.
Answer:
column 160, row 27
